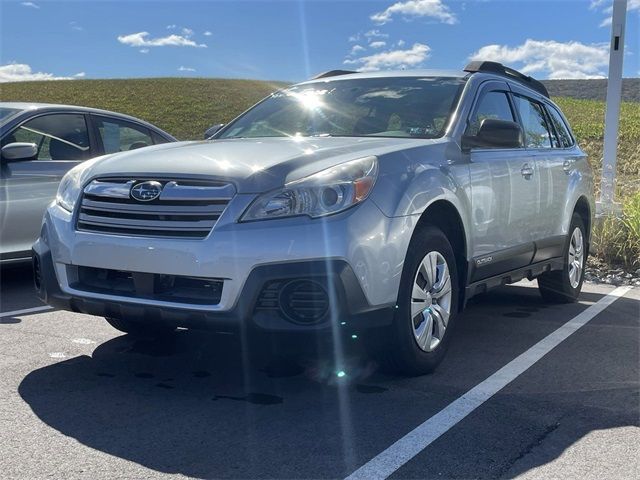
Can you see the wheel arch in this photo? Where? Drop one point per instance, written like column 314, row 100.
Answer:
column 583, row 208
column 444, row 215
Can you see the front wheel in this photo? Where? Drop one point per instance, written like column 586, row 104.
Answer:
column 563, row 286
column 427, row 305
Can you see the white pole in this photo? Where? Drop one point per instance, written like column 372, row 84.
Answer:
column 612, row 115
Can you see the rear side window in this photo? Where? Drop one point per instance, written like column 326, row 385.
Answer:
column 564, row 138
column 494, row 105
column 536, row 130
column 121, row 136
column 60, row 136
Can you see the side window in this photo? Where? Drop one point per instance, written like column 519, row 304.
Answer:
column 157, row 139
column 492, row 105
column 121, row 136
column 536, row 131
column 60, row 136
column 564, row 137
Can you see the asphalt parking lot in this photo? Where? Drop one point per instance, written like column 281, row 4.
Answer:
column 80, row 400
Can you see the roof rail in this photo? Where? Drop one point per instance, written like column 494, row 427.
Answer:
column 332, row 73
column 499, row 69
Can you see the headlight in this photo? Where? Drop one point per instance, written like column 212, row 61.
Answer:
column 324, row 193
column 69, row 188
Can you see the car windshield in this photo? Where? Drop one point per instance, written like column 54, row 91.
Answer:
column 409, row 107
column 6, row 112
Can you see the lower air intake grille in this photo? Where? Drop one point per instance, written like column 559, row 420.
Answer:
column 304, row 302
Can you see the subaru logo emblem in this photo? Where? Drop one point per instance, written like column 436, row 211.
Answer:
column 146, row 191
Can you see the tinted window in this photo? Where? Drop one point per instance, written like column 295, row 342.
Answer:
column 157, row 138
column 564, row 137
column 121, row 136
column 60, row 136
column 6, row 112
column 536, row 133
column 493, row 105
column 411, row 107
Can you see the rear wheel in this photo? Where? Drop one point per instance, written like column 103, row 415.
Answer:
column 427, row 306
column 563, row 286
column 139, row 329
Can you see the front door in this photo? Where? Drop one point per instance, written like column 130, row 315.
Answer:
column 504, row 193
column 28, row 186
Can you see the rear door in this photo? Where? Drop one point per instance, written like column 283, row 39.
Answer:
column 504, row 192
column 28, row 186
column 541, row 142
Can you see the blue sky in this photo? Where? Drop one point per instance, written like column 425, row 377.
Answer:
column 292, row 40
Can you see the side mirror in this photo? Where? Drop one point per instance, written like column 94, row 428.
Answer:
column 211, row 131
column 495, row 134
column 19, row 151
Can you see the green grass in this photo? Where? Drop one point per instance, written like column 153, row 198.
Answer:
column 184, row 107
column 187, row 107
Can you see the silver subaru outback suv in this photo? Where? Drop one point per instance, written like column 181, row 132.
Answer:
column 374, row 204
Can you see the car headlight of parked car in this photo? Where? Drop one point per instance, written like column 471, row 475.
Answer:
column 71, row 185
column 324, row 193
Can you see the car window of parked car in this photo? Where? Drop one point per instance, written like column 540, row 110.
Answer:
column 6, row 112
column 494, row 105
column 410, row 107
column 564, row 138
column 59, row 136
column 121, row 136
column 158, row 139
column 536, row 130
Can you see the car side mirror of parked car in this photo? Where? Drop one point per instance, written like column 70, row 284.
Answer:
column 495, row 134
column 19, row 151
column 211, row 131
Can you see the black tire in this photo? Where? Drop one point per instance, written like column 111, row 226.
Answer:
column 555, row 287
column 139, row 329
column 396, row 346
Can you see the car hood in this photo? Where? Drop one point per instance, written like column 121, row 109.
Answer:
column 252, row 165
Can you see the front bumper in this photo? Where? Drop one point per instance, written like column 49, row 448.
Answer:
column 349, row 255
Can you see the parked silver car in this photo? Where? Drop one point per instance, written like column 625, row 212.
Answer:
column 370, row 205
column 40, row 144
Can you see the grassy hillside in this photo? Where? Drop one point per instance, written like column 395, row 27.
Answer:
column 595, row 89
column 187, row 107
column 184, row 107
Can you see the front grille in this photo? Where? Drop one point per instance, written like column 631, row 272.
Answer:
column 184, row 208
column 166, row 288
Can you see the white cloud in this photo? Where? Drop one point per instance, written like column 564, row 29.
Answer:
column 606, row 7
column 375, row 33
column 401, row 43
column 141, row 39
column 76, row 27
column 550, row 58
column 392, row 59
column 187, row 32
column 20, row 72
column 172, row 26
column 30, row 5
column 433, row 9
column 356, row 48
column 144, row 50
column 80, row 75
column 207, row 33
column 378, row 44
column 186, row 69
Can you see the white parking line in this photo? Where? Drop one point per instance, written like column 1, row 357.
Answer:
column 394, row 457
column 17, row 313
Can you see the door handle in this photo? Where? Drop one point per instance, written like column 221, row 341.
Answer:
column 526, row 171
